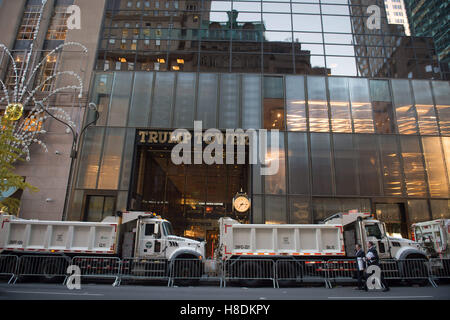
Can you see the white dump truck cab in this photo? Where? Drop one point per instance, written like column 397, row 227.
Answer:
column 434, row 237
column 147, row 235
column 362, row 228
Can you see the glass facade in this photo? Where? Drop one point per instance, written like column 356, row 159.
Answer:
column 317, row 37
column 345, row 143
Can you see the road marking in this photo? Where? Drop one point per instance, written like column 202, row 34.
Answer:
column 63, row 293
column 387, row 297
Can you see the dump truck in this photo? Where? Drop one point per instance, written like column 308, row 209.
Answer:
column 434, row 237
column 137, row 237
column 301, row 249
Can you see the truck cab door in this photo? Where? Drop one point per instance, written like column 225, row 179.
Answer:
column 148, row 237
column 375, row 233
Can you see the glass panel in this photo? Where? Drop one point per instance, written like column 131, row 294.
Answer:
column 140, row 105
column 111, row 158
column 251, row 101
column 303, row 22
column 340, row 105
column 342, row 66
column 446, row 144
column 390, row 159
column 346, row 164
column 276, row 184
column 434, row 160
column 317, row 104
column 75, row 206
column 404, row 108
column 90, row 157
column 273, row 103
column 369, row 165
column 413, row 167
column 257, row 209
column 424, row 107
column 418, row 211
column 275, row 210
column 207, row 100
column 325, row 207
column 440, row 209
column 120, row 99
column 162, row 100
column 184, row 101
column 361, row 107
column 321, row 163
column 382, row 106
column 281, row 22
column 127, row 159
column 299, row 210
column 441, row 91
column 295, row 103
column 101, row 97
column 298, row 163
column 336, row 24
column 229, row 101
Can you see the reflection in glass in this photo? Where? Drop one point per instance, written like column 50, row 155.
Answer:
column 111, row 158
column 275, row 210
column 184, row 101
column 368, row 165
column 317, row 104
column 298, row 163
column 321, row 163
column 162, row 101
column 207, row 100
column 229, row 95
column 251, row 101
column 441, row 90
column 140, row 105
column 295, row 103
column 404, row 108
column 299, row 210
column 382, row 106
column 418, row 211
column 391, row 167
column 440, row 209
column 101, row 97
column 346, row 164
column 273, row 103
column 361, row 107
column 90, row 157
column 120, row 100
column 413, row 166
column 435, row 168
column 424, row 106
column 276, row 184
column 340, row 105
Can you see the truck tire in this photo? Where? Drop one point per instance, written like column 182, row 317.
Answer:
column 187, row 272
column 415, row 271
column 250, row 274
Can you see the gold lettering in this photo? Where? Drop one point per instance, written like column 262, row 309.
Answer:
column 153, row 137
column 143, row 134
column 163, row 136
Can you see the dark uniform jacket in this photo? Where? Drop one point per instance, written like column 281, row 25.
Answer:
column 376, row 259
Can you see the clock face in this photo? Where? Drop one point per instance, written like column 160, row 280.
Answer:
column 241, row 204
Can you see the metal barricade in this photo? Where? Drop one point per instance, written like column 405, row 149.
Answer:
column 249, row 271
column 49, row 267
column 8, row 266
column 144, row 269
column 413, row 270
column 292, row 271
column 340, row 270
column 439, row 268
column 99, row 267
column 186, row 271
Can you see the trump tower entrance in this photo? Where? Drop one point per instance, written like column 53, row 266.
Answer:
column 192, row 196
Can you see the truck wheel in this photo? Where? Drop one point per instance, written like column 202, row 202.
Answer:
column 415, row 271
column 287, row 272
column 52, row 268
column 250, row 274
column 187, row 272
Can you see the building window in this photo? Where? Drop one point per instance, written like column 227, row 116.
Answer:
column 58, row 25
column 29, row 22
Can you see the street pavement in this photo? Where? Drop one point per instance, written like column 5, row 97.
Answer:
column 89, row 291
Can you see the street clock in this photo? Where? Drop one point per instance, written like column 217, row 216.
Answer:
column 241, row 202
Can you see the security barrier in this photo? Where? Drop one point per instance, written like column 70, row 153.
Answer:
column 186, row 271
column 439, row 268
column 290, row 271
column 99, row 267
column 48, row 267
column 340, row 270
column 249, row 271
column 144, row 269
column 8, row 266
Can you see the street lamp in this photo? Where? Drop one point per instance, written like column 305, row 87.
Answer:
column 74, row 150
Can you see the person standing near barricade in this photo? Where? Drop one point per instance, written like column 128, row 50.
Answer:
column 373, row 260
column 360, row 266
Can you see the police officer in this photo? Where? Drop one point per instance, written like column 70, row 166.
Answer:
column 373, row 259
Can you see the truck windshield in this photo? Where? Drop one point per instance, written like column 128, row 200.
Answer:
column 167, row 227
column 373, row 230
